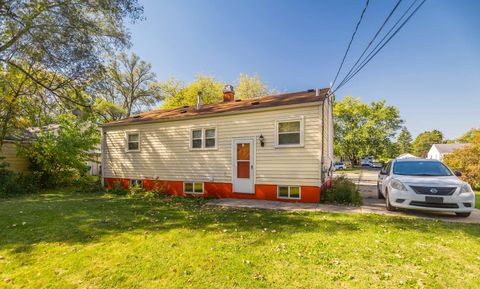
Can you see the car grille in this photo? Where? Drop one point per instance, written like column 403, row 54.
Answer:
column 441, row 191
column 434, row 205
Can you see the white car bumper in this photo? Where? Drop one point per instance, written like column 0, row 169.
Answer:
column 461, row 203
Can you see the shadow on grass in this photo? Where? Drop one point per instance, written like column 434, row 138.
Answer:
column 81, row 218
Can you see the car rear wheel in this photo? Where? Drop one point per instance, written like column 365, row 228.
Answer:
column 387, row 202
column 464, row 215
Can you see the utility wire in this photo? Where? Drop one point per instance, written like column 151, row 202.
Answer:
column 375, row 52
column 348, row 77
column 351, row 40
column 371, row 42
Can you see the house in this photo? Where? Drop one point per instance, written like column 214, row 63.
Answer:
column 9, row 154
column 438, row 151
column 277, row 147
column 406, row 156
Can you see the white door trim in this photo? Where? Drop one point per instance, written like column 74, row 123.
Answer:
column 253, row 170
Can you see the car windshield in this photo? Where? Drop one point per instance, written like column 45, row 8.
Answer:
column 421, row 168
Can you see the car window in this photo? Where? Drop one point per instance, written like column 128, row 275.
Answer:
column 386, row 168
column 421, row 168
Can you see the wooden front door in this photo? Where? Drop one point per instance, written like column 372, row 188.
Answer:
column 243, row 166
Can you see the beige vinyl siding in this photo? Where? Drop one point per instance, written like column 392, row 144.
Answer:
column 165, row 153
column 17, row 163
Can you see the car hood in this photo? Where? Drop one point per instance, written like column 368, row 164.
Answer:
column 430, row 181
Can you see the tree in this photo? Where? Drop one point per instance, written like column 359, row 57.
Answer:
column 128, row 86
column 468, row 136
column 467, row 160
column 251, row 86
column 23, row 103
column 60, row 154
column 179, row 94
column 364, row 130
column 424, row 141
column 65, row 39
column 404, row 141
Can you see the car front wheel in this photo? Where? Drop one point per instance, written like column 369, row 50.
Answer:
column 387, row 202
column 464, row 215
column 380, row 196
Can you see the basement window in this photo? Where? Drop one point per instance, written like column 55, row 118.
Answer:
column 193, row 187
column 136, row 184
column 289, row 192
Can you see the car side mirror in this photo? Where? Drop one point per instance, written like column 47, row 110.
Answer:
column 458, row 174
column 383, row 173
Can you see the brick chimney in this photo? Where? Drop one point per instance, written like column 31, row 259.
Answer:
column 228, row 93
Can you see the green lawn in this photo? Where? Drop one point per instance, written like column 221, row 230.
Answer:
column 69, row 240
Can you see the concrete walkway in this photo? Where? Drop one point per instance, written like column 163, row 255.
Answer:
column 366, row 182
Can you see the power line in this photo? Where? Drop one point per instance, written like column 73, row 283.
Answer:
column 373, row 39
column 351, row 40
column 374, row 52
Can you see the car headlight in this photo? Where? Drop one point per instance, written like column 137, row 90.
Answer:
column 465, row 188
column 397, row 185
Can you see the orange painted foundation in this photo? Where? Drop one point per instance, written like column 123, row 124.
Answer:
column 309, row 194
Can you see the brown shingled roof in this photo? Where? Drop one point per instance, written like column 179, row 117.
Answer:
column 238, row 105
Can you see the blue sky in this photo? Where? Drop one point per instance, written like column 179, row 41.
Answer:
column 430, row 70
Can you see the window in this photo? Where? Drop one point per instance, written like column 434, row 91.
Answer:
column 421, row 168
column 289, row 133
column 135, row 183
column 197, row 139
column 289, row 192
column 204, row 138
column 133, row 141
column 193, row 187
column 210, row 138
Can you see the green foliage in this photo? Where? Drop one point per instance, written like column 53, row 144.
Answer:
column 89, row 184
column 179, row 94
column 424, row 141
column 469, row 136
column 343, row 191
column 117, row 189
column 364, row 130
column 127, row 86
column 251, row 86
column 58, row 156
column 404, row 141
column 12, row 184
column 467, row 160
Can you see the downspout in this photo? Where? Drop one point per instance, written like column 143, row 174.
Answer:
column 322, row 157
column 103, row 155
column 322, row 161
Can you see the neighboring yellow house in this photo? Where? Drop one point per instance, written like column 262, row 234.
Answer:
column 277, row 147
column 9, row 152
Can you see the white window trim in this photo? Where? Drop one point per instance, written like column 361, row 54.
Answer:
column 301, row 119
column 193, row 183
column 132, row 132
column 204, row 138
column 289, row 198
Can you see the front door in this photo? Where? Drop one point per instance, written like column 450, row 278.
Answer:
column 243, row 166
